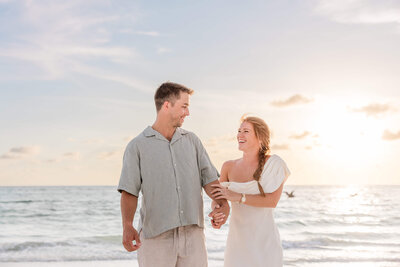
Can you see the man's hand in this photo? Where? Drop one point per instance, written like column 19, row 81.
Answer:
column 223, row 206
column 217, row 219
column 130, row 234
column 219, row 214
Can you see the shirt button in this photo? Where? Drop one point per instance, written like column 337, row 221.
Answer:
column 175, row 164
column 181, row 211
column 179, row 187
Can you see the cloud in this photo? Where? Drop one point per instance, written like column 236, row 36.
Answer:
column 374, row 109
column 106, row 75
column 145, row 33
column 128, row 138
column 94, row 141
column 280, row 147
column 293, row 100
column 389, row 136
column 52, row 161
column 10, row 156
column 148, row 33
column 153, row 33
column 20, row 152
column 316, row 143
column 359, row 11
column 110, row 154
column 300, row 136
column 163, row 50
column 72, row 37
column 72, row 155
column 219, row 140
column 25, row 150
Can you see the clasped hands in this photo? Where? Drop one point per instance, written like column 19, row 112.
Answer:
column 220, row 214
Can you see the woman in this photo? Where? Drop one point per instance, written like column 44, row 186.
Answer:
column 254, row 185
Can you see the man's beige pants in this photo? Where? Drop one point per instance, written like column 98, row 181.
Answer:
column 179, row 247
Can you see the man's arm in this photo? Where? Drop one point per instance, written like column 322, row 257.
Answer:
column 208, row 171
column 128, row 209
column 222, row 203
column 218, row 218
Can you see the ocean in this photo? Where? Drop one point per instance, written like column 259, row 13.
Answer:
column 81, row 226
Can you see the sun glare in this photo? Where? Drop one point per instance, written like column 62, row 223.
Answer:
column 347, row 137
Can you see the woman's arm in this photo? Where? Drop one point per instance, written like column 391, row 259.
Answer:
column 224, row 177
column 270, row 200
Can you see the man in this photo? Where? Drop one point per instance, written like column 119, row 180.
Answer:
column 170, row 167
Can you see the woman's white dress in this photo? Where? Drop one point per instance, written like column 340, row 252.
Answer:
column 253, row 238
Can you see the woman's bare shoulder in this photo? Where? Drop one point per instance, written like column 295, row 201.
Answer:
column 226, row 169
column 230, row 163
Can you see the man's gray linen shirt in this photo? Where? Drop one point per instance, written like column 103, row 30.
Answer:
column 170, row 175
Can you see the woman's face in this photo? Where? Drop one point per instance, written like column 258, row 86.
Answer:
column 246, row 137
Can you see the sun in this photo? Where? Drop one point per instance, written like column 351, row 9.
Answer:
column 346, row 137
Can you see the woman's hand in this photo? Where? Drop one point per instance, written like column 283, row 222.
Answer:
column 217, row 218
column 221, row 192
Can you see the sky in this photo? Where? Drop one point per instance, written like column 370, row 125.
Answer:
column 77, row 80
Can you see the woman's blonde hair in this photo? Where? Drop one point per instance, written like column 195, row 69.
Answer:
column 262, row 133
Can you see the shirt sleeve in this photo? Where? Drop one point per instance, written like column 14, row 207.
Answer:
column 208, row 173
column 130, row 180
column 274, row 175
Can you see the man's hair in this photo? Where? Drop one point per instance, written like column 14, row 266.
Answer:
column 169, row 92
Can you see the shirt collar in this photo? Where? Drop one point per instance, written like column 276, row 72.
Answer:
column 179, row 132
column 149, row 131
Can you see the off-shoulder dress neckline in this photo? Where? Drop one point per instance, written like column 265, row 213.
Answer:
column 252, row 181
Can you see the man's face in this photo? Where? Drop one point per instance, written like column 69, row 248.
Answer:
column 180, row 110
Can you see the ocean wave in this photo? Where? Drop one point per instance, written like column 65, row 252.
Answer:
column 71, row 242
column 29, row 245
column 347, row 235
column 18, row 201
column 59, row 256
column 63, row 251
column 318, row 222
column 334, row 244
column 28, row 201
column 36, row 215
column 346, row 259
column 114, row 239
